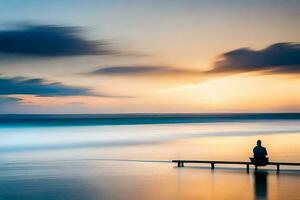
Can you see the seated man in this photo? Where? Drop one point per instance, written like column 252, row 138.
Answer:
column 260, row 155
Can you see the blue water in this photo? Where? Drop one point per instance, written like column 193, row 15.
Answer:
column 132, row 119
column 67, row 157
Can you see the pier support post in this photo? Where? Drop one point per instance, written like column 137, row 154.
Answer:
column 180, row 164
column 278, row 168
column 248, row 167
column 212, row 165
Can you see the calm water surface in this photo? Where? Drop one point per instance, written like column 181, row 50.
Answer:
column 133, row 161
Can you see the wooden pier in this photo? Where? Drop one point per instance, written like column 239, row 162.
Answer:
column 180, row 163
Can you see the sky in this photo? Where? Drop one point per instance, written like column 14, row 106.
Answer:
column 88, row 56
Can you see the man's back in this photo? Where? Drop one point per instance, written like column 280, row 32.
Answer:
column 260, row 155
column 260, row 151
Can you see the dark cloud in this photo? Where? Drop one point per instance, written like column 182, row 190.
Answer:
column 9, row 100
column 277, row 58
column 39, row 87
column 140, row 70
column 7, row 103
column 49, row 41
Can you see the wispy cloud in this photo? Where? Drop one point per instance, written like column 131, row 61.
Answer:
column 4, row 100
column 45, row 88
column 40, row 87
column 49, row 41
column 141, row 70
column 281, row 58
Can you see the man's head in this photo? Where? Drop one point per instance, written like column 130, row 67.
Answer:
column 258, row 142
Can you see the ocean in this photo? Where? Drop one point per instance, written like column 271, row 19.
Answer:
column 128, row 156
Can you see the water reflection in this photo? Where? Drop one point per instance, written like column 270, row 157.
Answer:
column 261, row 185
column 74, row 168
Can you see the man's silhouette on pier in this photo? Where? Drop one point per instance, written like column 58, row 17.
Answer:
column 259, row 151
column 260, row 155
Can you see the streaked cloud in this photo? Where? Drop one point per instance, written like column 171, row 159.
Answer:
column 40, row 87
column 4, row 100
column 49, row 41
column 141, row 70
column 279, row 58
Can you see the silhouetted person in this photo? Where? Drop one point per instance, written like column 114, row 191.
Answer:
column 259, row 151
column 260, row 155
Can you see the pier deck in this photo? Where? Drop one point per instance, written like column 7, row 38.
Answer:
column 180, row 163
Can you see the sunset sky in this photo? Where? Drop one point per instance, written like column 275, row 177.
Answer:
column 149, row 56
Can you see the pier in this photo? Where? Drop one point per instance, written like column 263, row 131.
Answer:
column 213, row 163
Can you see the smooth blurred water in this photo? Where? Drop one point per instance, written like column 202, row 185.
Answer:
column 133, row 161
